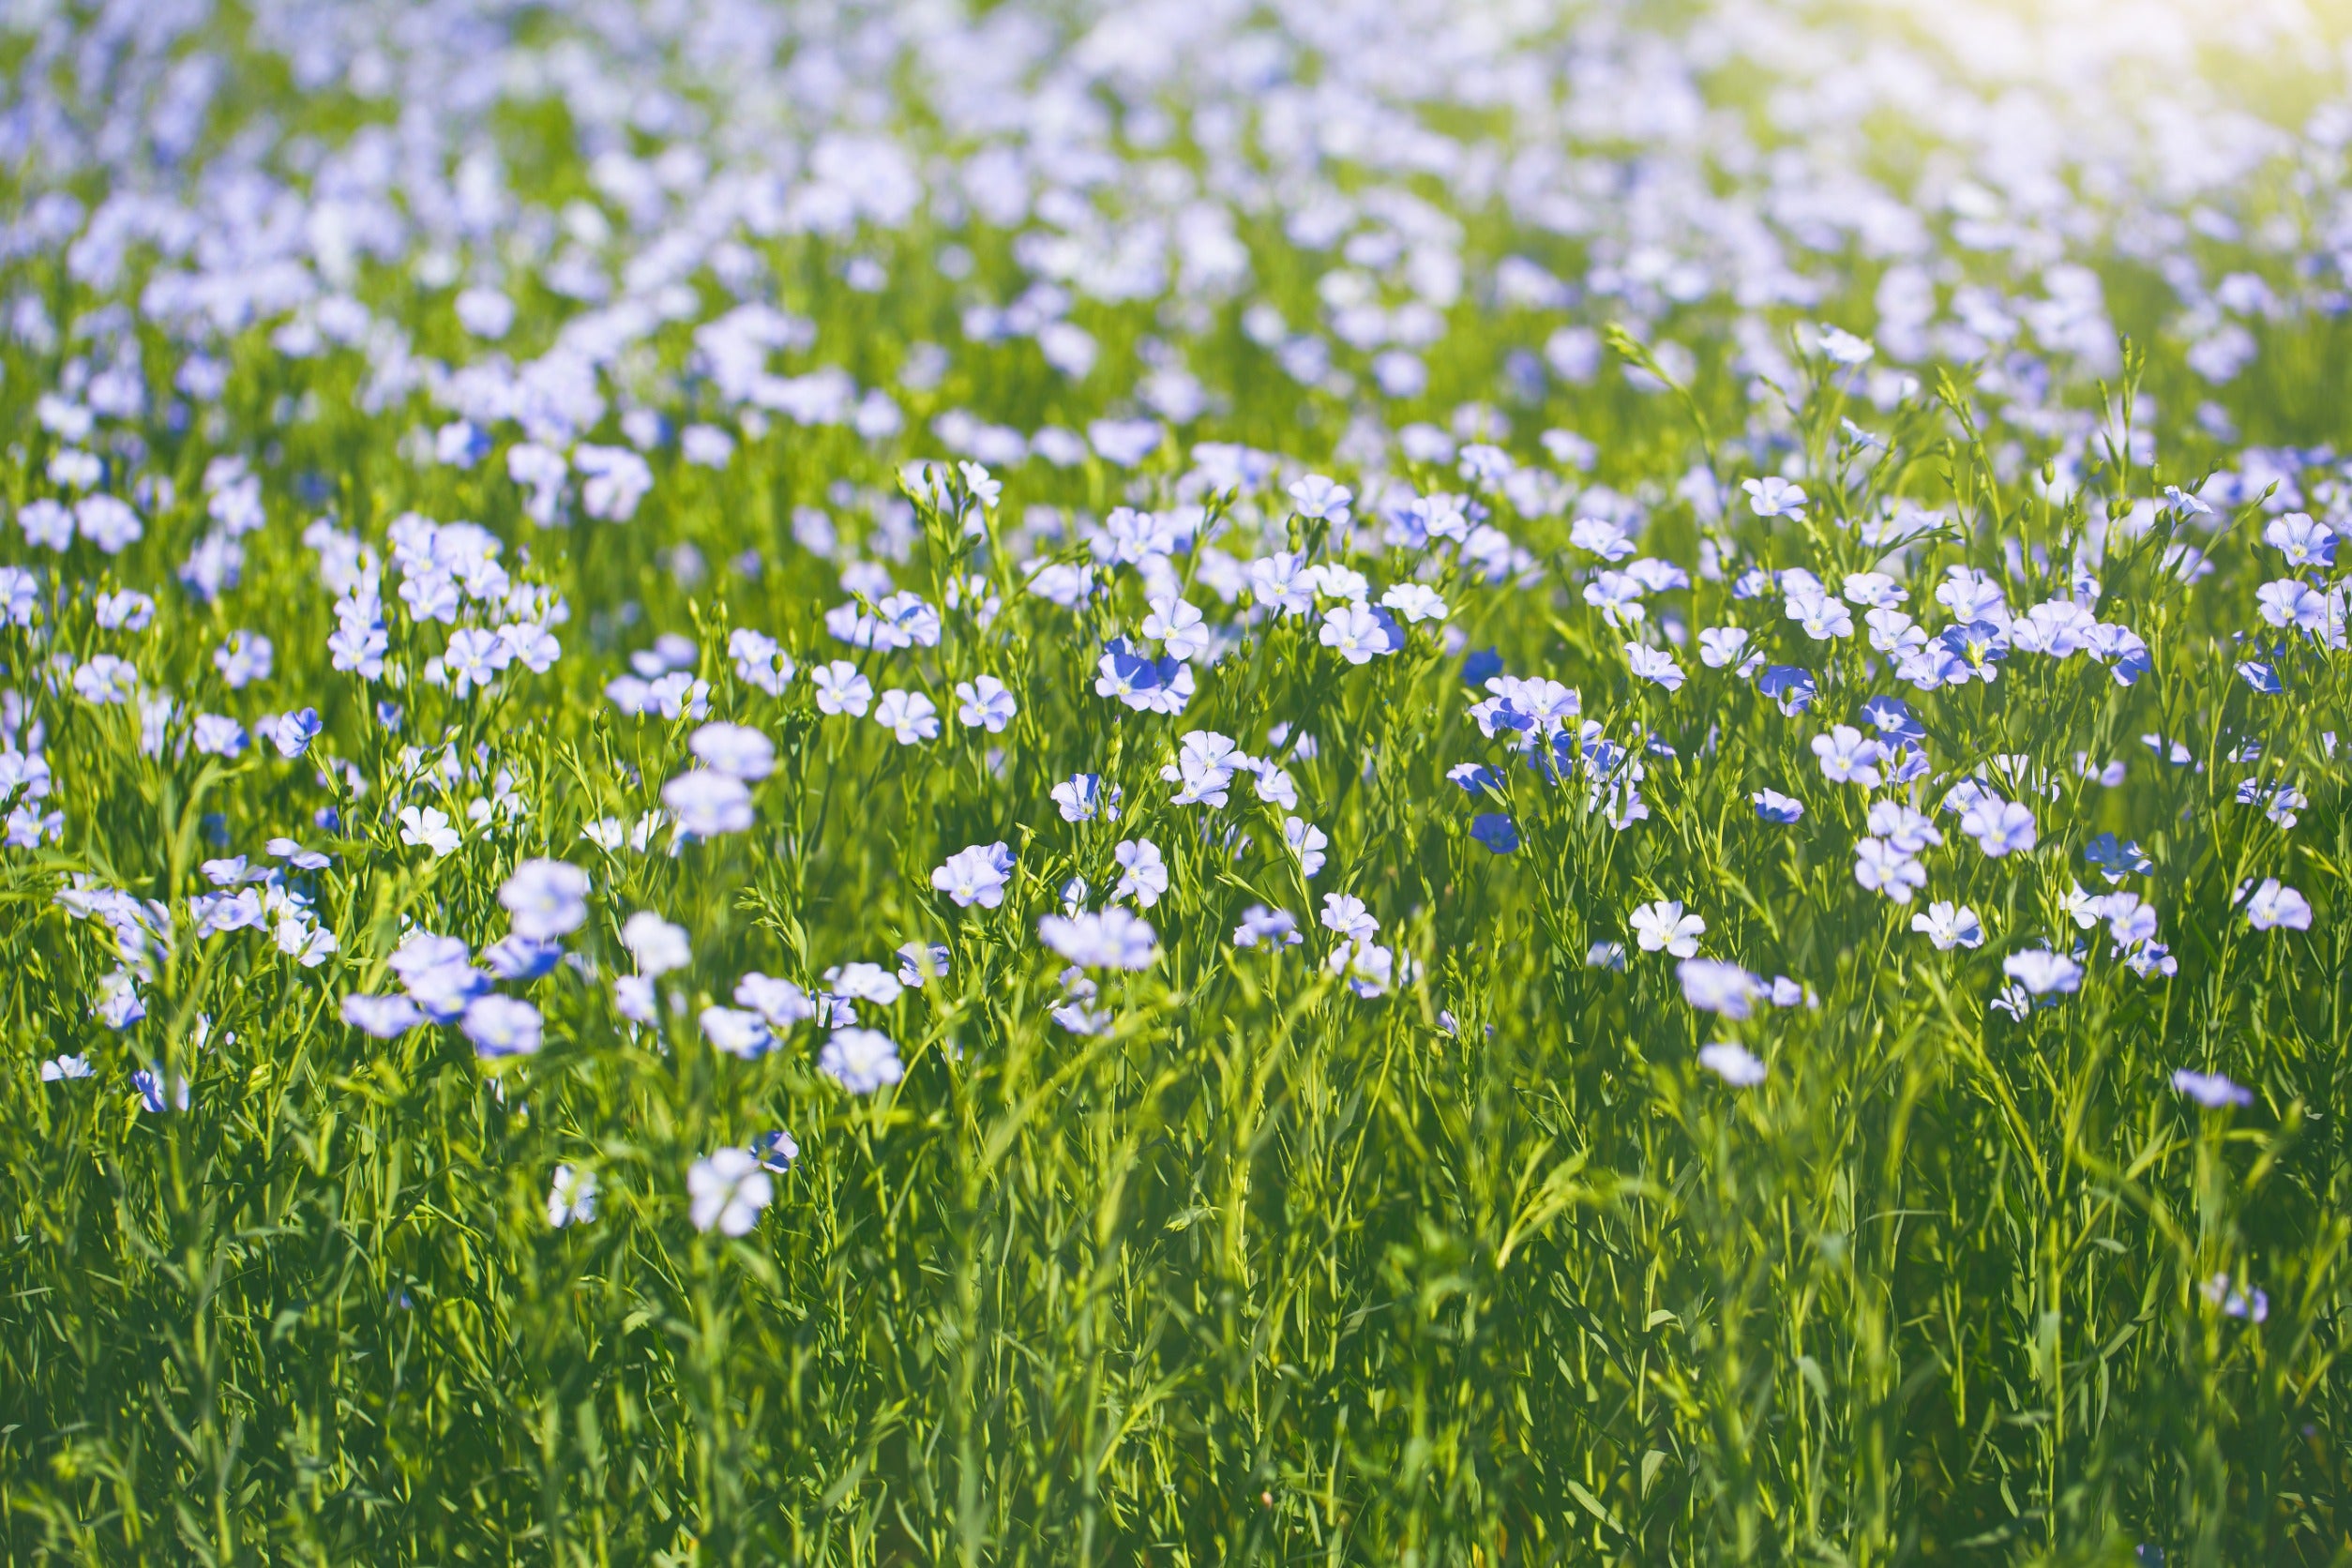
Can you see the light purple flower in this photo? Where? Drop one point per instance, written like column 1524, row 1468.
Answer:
column 1360, row 633
column 909, row 715
column 2211, row 1089
column 2041, row 971
column 737, row 1031
column 1113, row 939
column 860, row 1060
column 571, row 1197
column 2276, row 906
column 1143, row 876
column 1775, row 497
column 840, row 690
column 736, row 750
column 985, row 704
column 546, row 899
column 294, row 733
column 707, row 804
column 502, row 1026
column 975, row 875
column 1654, row 665
column 1713, row 986
column 1998, row 826
column 1883, row 869
column 384, row 1017
column 1733, row 1063
column 1849, row 757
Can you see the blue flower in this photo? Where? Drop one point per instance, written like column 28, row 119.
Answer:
column 1892, row 715
column 294, row 732
column 2117, row 860
column 1792, row 687
column 1773, row 806
column 1474, row 777
column 1495, row 831
column 518, row 958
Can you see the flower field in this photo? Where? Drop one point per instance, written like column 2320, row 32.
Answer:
column 1367, row 782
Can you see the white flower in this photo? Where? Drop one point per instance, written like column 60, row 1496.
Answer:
column 428, row 826
column 1415, row 602
column 1949, row 926
column 1663, row 925
column 728, row 1189
column 571, row 1198
column 1775, row 497
column 1360, row 633
column 658, row 947
column 1734, row 1064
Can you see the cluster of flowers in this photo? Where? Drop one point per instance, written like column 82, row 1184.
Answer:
column 573, row 419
